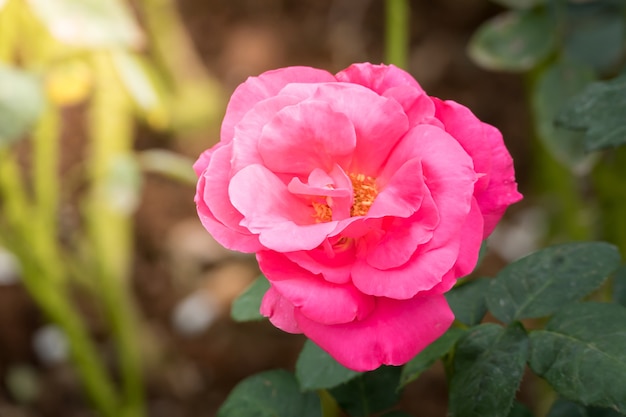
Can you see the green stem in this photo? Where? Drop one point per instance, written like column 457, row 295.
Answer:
column 397, row 32
column 109, row 223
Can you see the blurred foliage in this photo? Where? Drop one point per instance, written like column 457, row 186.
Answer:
column 93, row 54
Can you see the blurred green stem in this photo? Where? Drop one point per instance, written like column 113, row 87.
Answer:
column 109, row 222
column 397, row 32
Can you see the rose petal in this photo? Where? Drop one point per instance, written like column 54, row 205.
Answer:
column 283, row 221
column 216, row 212
column 266, row 85
column 378, row 78
column 306, row 136
column 317, row 299
column 280, row 311
column 496, row 189
column 392, row 334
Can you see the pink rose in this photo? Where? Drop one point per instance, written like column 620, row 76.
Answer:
column 363, row 198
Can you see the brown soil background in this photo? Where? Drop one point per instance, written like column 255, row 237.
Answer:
column 190, row 375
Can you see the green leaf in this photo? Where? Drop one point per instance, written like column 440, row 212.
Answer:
column 582, row 354
column 246, row 307
column 594, row 32
column 554, row 87
column 270, row 394
column 316, row 369
column 519, row 4
column 396, row 414
column 89, row 23
column 467, row 301
column 619, row 285
column 599, row 110
column 543, row 282
column 513, row 41
column 427, row 357
column 21, row 103
column 488, row 368
column 520, row 410
column 565, row 408
column 371, row 392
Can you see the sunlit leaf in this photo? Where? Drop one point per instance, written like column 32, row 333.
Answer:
column 89, row 23
column 554, row 87
column 140, row 80
column 369, row 393
column 270, row 394
column 542, row 283
column 246, row 307
column 427, row 357
column 513, row 41
column 21, row 103
column 582, row 354
column 600, row 111
column 489, row 364
column 316, row 369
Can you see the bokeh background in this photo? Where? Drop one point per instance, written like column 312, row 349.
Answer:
column 181, row 281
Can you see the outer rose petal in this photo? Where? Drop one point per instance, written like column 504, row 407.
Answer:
column 497, row 189
column 265, row 86
column 378, row 78
column 317, row 299
column 391, row 335
column 216, row 212
column 280, row 311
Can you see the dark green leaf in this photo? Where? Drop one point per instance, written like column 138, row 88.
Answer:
column 371, row 392
column 582, row 354
column 467, row 301
column 396, row 414
column 600, row 111
column 21, row 102
column 427, row 357
column 543, row 282
column 520, row 410
column 513, row 41
column 594, row 33
column 619, row 285
column 246, row 306
column 554, row 87
column 316, row 369
column 488, row 367
column 565, row 408
column 270, row 394
column 519, row 4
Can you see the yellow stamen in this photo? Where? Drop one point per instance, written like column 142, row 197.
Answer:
column 323, row 213
column 364, row 188
column 364, row 194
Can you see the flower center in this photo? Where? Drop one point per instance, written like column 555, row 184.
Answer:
column 364, row 194
column 364, row 189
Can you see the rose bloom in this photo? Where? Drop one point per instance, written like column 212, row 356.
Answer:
column 363, row 198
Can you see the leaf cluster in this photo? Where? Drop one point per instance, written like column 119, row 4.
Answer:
column 542, row 324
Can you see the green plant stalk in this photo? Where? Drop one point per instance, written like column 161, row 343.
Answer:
column 397, row 32
column 46, row 287
column 54, row 301
column 44, row 236
column 109, row 228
